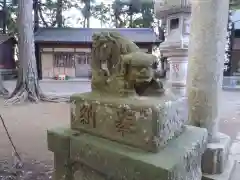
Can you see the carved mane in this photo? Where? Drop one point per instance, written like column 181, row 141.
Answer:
column 117, row 63
column 108, row 47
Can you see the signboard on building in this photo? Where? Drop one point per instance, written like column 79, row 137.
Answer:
column 228, row 48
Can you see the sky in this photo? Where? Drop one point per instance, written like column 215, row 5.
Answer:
column 74, row 15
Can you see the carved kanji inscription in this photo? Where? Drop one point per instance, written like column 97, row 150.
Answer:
column 125, row 122
column 87, row 115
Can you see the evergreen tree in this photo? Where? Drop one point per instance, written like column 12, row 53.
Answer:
column 87, row 12
column 59, row 17
column 134, row 13
column 234, row 4
column 27, row 87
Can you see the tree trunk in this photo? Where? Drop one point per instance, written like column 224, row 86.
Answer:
column 27, row 87
column 84, row 23
column 131, row 20
column 59, row 13
column 88, row 5
column 88, row 22
column 36, row 17
column 4, row 18
column 116, row 20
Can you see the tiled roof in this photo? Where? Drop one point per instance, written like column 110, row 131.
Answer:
column 5, row 37
column 75, row 35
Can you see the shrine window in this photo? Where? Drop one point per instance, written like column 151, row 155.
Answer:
column 64, row 59
column 174, row 23
column 83, row 58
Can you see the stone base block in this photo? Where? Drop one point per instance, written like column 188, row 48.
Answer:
column 216, row 155
column 91, row 157
column 144, row 122
column 227, row 173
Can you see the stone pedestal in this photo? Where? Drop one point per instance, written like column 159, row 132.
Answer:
column 127, row 138
column 84, row 156
column 178, row 62
column 205, row 74
column 216, row 152
column 144, row 122
column 129, row 127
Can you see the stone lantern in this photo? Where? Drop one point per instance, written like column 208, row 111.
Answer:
column 176, row 16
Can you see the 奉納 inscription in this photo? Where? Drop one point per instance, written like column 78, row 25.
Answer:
column 87, row 115
column 125, row 122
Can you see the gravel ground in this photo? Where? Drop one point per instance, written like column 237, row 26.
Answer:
column 27, row 124
column 31, row 170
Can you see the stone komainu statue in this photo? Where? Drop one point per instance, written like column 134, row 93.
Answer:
column 120, row 68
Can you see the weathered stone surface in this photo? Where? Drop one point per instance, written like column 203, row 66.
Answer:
column 206, row 60
column 181, row 159
column 83, row 172
column 216, row 155
column 165, row 8
column 205, row 76
column 144, row 122
column 59, row 143
column 62, row 168
column 120, row 68
column 226, row 174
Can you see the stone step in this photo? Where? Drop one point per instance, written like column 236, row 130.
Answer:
column 216, row 155
column 100, row 158
column 235, row 154
column 236, row 172
column 227, row 174
column 144, row 122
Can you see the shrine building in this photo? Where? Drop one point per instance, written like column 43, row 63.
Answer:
column 68, row 50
